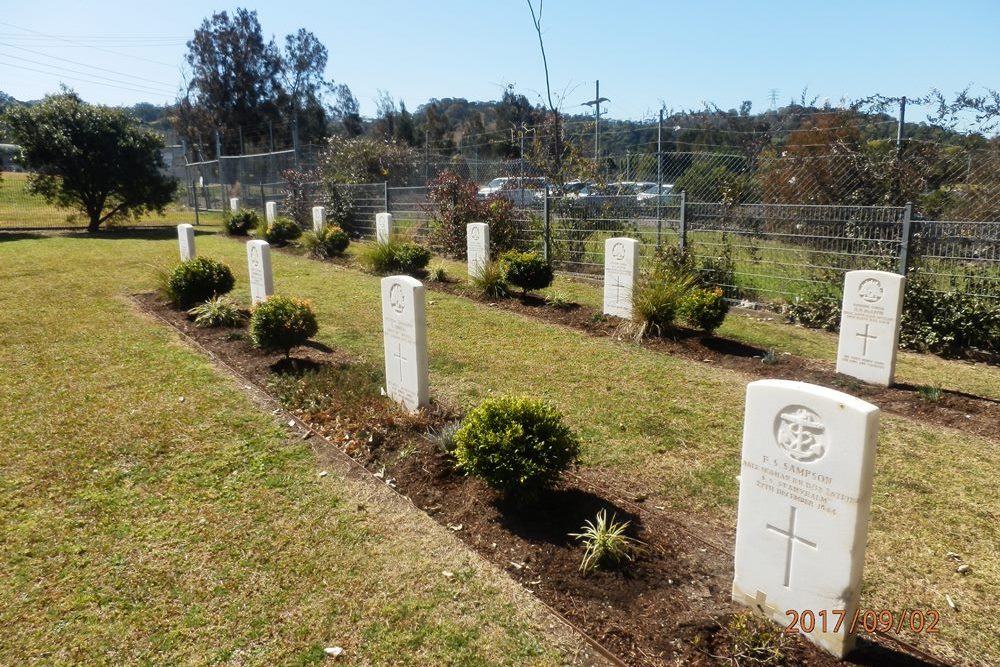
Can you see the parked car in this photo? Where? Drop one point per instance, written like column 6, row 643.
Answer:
column 529, row 191
column 649, row 194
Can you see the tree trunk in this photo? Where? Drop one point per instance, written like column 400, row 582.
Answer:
column 95, row 222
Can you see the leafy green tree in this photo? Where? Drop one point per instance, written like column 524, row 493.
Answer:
column 302, row 72
column 235, row 80
column 347, row 111
column 95, row 159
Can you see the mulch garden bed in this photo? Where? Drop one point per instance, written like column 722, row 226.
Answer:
column 671, row 606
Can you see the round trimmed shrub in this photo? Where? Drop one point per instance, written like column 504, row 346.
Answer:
column 241, row 222
column 331, row 241
column 704, row 308
column 281, row 323
column 198, row 279
column 515, row 444
column 527, row 270
column 282, row 231
column 411, row 257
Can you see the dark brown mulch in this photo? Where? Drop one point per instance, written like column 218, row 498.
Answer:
column 671, row 606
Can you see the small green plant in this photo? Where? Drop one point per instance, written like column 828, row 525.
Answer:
column 704, row 309
column 770, row 357
column 242, row 222
column 559, row 300
column 197, row 280
column 281, row 323
column 218, row 311
column 756, row 641
column 438, row 273
column 515, row 444
column 656, row 297
column 930, row 393
column 282, row 231
column 527, row 270
column 331, row 242
column 818, row 308
column 396, row 257
column 606, row 543
column 491, row 280
column 444, row 437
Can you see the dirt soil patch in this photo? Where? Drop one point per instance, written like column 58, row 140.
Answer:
column 670, row 607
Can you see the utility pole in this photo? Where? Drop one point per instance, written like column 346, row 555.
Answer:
column 596, row 103
column 659, row 177
column 899, row 129
column 218, row 145
column 427, row 155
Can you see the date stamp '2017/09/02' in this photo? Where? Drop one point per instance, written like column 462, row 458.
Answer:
column 866, row 620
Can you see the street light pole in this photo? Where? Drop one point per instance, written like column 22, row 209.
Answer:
column 596, row 103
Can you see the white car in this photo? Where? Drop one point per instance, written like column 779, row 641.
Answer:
column 648, row 195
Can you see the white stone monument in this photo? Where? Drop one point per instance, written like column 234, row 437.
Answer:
column 477, row 246
column 404, row 326
column 234, row 204
column 319, row 219
column 621, row 268
column 805, row 496
column 185, row 236
column 383, row 227
column 271, row 211
column 869, row 325
column 259, row 261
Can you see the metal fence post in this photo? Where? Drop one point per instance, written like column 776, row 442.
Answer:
column 906, row 239
column 196, row 220
column 683, row 222
column 546, row 232
column 385, row 195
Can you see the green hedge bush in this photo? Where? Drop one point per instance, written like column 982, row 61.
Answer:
column 281, row 323
column 397, row 257
column 704, row 309
column 515, row 444
column 242, row 222
column 282, row 231
column 527, row 270
column 332, row 241
column 196, row 280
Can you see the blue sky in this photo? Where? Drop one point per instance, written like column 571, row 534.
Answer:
column 679, row 54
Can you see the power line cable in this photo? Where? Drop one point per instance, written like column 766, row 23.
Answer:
column 96, row 48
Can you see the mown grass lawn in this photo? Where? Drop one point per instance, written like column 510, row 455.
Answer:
column 151, row 513
column 669, row 427
column 22, row 210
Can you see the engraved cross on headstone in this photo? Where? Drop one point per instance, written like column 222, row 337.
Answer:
column 400, row 358
column 866, row 336
column 618, row 289
column 791, row 537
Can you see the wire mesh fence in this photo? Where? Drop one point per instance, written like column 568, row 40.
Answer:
column 766, row 227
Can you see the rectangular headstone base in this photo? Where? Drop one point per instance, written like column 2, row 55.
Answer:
column 838, row 644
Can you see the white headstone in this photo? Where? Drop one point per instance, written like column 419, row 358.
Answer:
column 805, row 496
column 869, row 325
column 383, row 227
column 477, row 246
column 404, row 326
column 234, row 204
column 319, row 219
column 621, row 268
column 259, row 261
column 271, row 211
column 185, row 235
